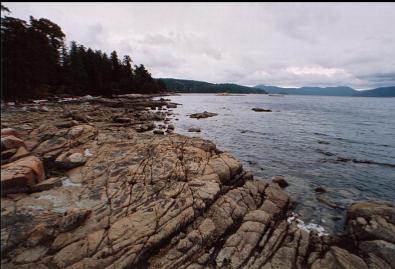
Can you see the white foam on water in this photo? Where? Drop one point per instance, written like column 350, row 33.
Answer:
column 309, row 227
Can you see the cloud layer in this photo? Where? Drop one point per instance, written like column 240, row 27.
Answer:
column 284, row 44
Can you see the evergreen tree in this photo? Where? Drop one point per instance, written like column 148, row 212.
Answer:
column 35, row 62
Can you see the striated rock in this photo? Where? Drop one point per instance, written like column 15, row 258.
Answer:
column 153, row 201
column 203, row 115
column 21, row 175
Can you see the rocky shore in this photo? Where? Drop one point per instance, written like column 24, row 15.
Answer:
column 92, row 183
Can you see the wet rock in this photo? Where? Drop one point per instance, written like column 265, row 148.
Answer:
column 320, row 189
column 194, row 129
column 257, row 109
column 21, row 175
column 280, row 181
column 343, row 159
column 170, row 127
column 203, row 115
column 325, row 200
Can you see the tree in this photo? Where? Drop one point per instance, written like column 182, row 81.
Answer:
column 35, row 62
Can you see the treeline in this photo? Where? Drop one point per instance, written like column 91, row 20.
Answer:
column 35, row 62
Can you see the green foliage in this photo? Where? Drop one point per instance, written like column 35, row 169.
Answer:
column 36, row 63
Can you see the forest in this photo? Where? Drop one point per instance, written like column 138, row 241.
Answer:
column 36, row 62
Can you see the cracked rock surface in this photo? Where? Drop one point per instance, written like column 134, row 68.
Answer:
column 112, row 196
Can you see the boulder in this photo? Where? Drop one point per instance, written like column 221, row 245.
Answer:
column 280, row 181
column 21, row 175
column 320, row 189
column 194, row 129
column 69, row 160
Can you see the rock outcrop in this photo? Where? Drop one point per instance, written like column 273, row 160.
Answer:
column 258, row 109
column 111, row 197
column 203, row 115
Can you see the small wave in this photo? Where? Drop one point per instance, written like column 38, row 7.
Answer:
column 346, row 160
column 326, row 153
column 321, row 134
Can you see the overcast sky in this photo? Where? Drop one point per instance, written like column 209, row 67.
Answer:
column 283, row 44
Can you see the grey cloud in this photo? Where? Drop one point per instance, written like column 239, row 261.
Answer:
column 285, row 44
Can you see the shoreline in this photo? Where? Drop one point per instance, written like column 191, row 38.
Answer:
column 134, row 198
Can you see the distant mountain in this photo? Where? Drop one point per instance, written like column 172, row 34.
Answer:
column 326, row 91
column 193, row 86
column 379, row 92
column 330, row 91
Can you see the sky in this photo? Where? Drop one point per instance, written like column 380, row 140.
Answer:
column 281, row 44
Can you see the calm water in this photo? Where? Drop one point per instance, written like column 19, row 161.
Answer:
column 301, row 140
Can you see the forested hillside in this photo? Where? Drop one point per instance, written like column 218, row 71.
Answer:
column 192, row 86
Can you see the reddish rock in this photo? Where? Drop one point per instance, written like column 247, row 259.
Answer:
column 11, row 142
column 21, row 175
column 9, row 131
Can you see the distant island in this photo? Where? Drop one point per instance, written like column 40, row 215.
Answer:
column 330, row 91
column 193, row 86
